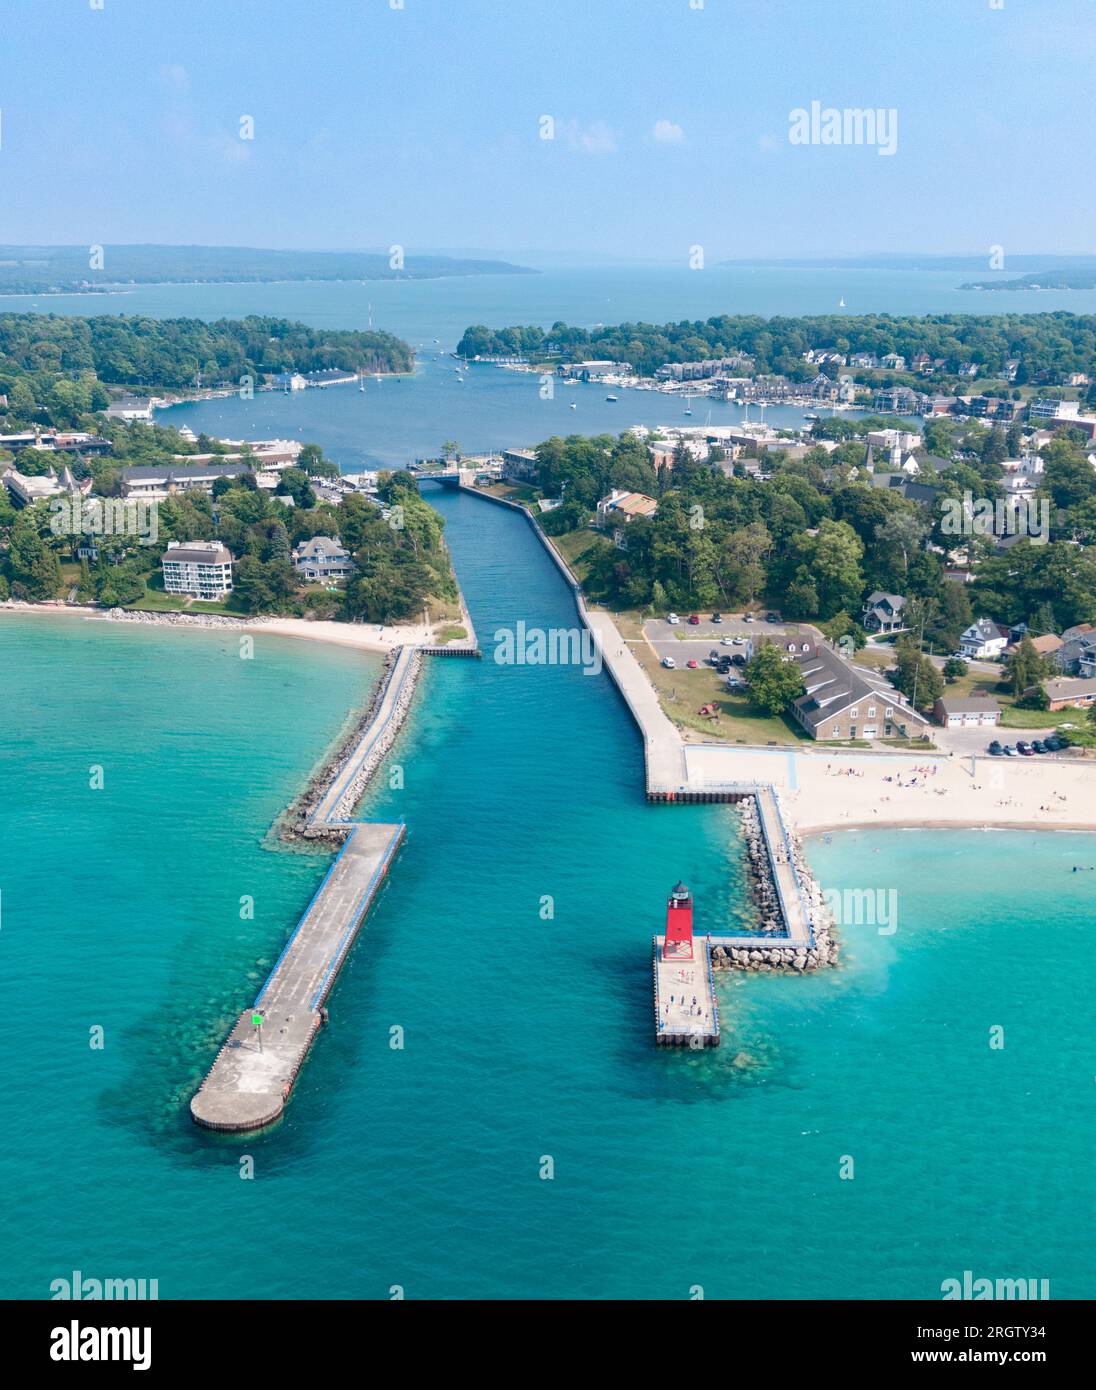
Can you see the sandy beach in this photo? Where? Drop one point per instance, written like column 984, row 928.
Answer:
column 844, row 791
column 369, row 637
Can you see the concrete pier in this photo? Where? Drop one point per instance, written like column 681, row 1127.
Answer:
column 254, row 1072
column 251, row 1079
column 679, row 1022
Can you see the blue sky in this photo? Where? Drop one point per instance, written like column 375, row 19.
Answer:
column 421, row 125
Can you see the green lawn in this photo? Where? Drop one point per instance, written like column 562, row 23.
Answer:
column 682, row 692
column 574, row 546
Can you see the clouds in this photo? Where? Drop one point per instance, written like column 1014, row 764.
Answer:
column 597, row 138
column 667, row 133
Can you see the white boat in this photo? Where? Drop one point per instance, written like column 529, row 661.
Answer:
column 612, row 398
column 574, row 406
column 840, row 303
column 810, row 415
column 688, row 405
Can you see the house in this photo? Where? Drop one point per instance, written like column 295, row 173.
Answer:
column 883, row 612
column 323, row 560
column 1046, row 645
column 983, row 640
column 966, row 711
column 622, row 507
column 843, row 701
column 519, row 465
column 130, row 408
column 201, row 569
column 27, row 489
column 157, row 482
column 288, row 381
column 1077, row 654
column 1063, row 692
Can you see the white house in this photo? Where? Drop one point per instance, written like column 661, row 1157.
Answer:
column 983, row 640
column 883, row 612
column 201, row 569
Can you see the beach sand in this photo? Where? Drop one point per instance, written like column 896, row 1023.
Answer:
column 842, row 791
column 370, row 637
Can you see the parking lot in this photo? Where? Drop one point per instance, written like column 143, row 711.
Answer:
column 693, row 643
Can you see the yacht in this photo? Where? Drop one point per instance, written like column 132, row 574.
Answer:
column 611, row 397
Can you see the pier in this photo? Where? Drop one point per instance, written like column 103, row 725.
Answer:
column 252, row 1076
column 250, row 1081
column 686, row 1012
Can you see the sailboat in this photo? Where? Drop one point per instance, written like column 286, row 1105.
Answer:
column 361, row 381
column 688, row 405
column 841, row 303
column 574, row 405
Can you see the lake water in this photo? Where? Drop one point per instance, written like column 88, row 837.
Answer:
column 527, row 1037
column 388, row 424
column 511, row 943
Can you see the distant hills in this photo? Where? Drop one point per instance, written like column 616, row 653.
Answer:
column 46, row 269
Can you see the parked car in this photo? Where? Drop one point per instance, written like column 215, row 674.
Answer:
column 672, row 619
column 694, row 620
column 995, row 750
column 1053, row 744
column 669, row 663
column 772, row 617
column 738, row 641
column 1024, row 749
column 747, row 617
column 738, row 659
column 729, row 641
column 1038, row 745
column 693, row 665
column 717, row 617
column 1010, row 752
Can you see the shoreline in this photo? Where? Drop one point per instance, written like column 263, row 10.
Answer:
column 825, row 792
column 370, row 637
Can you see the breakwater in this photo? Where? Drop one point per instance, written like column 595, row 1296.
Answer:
column 253, row 1073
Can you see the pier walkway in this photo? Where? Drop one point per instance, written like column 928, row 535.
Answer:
column 253, row 1073
column 250, row 1081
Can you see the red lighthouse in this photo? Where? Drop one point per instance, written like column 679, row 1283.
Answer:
column 678, row 944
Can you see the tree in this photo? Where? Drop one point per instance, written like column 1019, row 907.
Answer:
column 450, row 449
column 33, row 565
column 1025, row 668
column 773, row 682
column 954, row 668
column 916, row 677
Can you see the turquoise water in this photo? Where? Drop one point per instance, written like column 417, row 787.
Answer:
column 524, row 1037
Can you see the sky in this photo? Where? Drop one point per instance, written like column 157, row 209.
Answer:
column 422, row 123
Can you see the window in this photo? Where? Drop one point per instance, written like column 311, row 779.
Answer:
column 890, row 713
column 855, row 714
column 871, row 711
column 836, row 731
